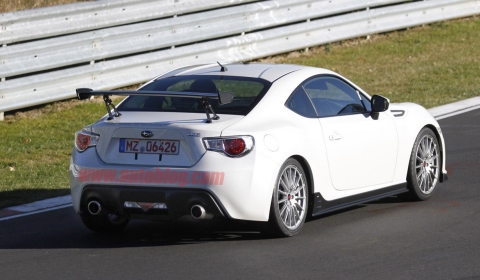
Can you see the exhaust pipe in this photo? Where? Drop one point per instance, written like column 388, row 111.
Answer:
column 198, row 212
column 94, row 207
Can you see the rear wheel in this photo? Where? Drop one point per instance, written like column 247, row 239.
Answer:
column 290, row 200
column 104, row 223
column 424, row 165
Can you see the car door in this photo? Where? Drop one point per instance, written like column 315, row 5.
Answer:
column 361, row 149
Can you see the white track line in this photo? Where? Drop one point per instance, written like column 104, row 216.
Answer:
column 42, row 204
column 35, row 212
column 456, row 108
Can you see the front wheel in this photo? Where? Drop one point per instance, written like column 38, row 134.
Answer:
column 290, row 200
column 424, row 165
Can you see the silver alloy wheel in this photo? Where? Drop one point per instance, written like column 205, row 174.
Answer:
column 291, row 197
column 427, row 164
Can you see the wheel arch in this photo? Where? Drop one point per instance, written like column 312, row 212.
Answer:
column 310, row 181
column 441, row 143
column 308, row 171
column 435, row 130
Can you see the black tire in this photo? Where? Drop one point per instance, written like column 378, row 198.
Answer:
column 289, row 205
column 424, row 166
column 104, row 223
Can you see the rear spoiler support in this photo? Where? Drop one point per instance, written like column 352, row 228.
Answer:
column 108, row 103
column 223, row 98
column 207, row 107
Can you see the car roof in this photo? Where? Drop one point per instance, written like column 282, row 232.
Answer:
column 269, row 72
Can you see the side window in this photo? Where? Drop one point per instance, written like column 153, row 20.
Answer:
column 332, row 96
column 300, row 104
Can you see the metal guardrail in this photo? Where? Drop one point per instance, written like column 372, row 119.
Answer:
column 130, row 54
column 167, row 33
column 78, row 17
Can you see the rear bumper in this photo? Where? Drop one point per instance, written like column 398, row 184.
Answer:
column 178, row 202
column 241, row 187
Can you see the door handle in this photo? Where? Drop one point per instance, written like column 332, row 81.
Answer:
column 335, row 136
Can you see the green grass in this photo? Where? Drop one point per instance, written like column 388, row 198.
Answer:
column 16, row 5
column 431, row 65
column 35, row 150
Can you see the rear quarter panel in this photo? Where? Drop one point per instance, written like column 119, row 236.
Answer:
column 280, row 134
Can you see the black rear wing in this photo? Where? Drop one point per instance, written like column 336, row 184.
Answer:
column 223, row 98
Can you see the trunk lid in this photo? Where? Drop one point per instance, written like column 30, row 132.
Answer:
column 186, row 128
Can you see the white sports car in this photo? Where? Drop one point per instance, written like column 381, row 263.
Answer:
column 256, row 142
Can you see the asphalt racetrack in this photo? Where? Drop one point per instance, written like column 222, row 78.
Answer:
column 388, row 239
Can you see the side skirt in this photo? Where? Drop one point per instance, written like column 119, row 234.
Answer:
column 322, row 206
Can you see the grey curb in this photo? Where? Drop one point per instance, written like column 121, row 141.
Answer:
column 452, row 109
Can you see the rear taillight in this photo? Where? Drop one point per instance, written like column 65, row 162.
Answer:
column 235, row 146
column 83, row 140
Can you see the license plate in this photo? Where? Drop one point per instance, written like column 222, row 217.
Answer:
column 166, row 147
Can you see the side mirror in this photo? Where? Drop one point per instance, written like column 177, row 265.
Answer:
column 379, row 104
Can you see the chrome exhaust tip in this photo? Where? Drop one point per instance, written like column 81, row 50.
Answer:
column 94, row 207
column 198, row 212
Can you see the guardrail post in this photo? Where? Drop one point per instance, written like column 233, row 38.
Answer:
column 368, row 36
column 308, row 34
column 1, row 116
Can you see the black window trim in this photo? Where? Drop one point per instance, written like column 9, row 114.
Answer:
column 309, row 99
column 361, row 92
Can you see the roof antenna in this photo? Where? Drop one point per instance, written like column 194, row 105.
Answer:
column 223, row 69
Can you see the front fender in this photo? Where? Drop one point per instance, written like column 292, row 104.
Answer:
column 410, row 119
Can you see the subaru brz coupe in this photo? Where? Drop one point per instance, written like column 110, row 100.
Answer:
column 245, row 141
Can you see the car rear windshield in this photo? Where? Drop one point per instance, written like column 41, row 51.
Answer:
column 247, row 93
